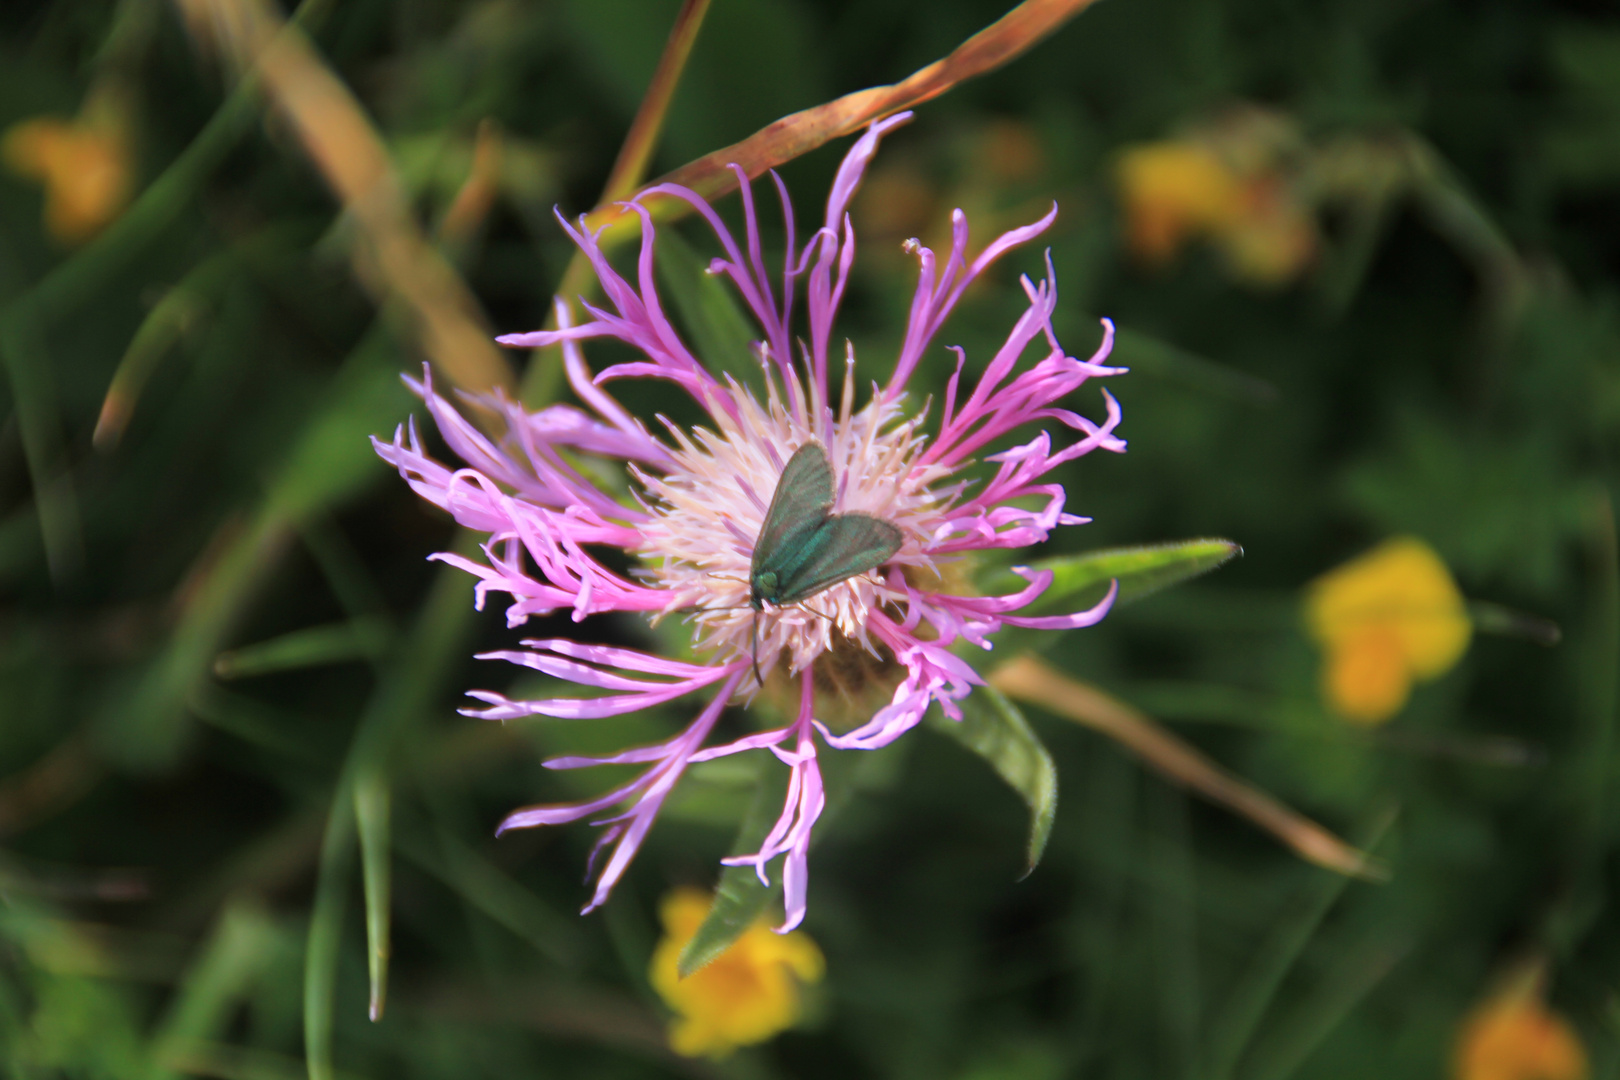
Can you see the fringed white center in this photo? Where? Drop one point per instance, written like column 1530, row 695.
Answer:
column 708, row 511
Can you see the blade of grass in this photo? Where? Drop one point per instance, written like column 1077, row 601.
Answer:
column 346, row 574
column 211, row 988
column 711, row 176
column 413, row 677
column 493, row 892
column 329, row 461
column 28, row 367
column 390, row 246
column 170, row 319
column 721, row 333
column 221, row 1061
column 642, row 138
column 1149, row 355
column 372, row 817
column 67, row 771
column 1111, row 840
column 313, row 646
column 146, row 727
column 1173, row 910
column 1031, row 680
column 1588, row 777
column 74, row 281
column 1321, row 1014
column 1496, row 619
column 326, row 934
column 1247, row 1003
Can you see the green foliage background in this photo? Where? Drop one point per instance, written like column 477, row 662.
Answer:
column 178, row 872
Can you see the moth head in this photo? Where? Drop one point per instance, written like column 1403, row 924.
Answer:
column 765, row 586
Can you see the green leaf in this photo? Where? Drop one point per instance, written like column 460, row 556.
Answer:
column 326, row 935
column 1246, row 1004
column 740, row 897
column 329, row 463
column 312, row 646
column 995, row 729
column 242, row 944
column 490, row 890
column 1079, row 581
column 371, row 815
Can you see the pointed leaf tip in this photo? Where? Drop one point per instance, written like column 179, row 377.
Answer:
column 994, row 728
column 1081, row 580
column 740, row 897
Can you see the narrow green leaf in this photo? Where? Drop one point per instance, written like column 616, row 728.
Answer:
column 723, row 334
column 77, row 279
column 1078, row 581
column 332, row 458
column 371, row 815
column 351, row 581
column 313, row 646
column 995, row 729
column 414, row 675
column 493, row 892
column 1172, row 910
column 326, row 934
column 261, row 725
column 330, row 462
column 740, row 897
column 241, row 945
column 1320, row 1014
column 1248, row 1001
column 29, row 369
column 146, row 726
column 171, row 319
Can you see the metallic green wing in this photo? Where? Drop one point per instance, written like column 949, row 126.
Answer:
column 843, row 546
column 799, row 506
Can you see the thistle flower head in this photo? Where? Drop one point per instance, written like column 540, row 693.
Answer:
column 703, row 496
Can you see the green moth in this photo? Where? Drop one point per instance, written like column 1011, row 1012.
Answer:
column 804, row 547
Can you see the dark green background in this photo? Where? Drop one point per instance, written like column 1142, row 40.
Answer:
column 162, row 888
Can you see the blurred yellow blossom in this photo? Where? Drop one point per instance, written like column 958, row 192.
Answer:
column 1224, row 182
column 1512, row 1035
column 747, row 995
column 84, row 164
column 1383, row 620
column 1173, row 191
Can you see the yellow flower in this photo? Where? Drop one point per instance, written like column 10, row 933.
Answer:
column 747, row 995
column 1273, row 239
column 1383, row 620
column 84, row 165
column 1173, row 191
column 1229, row 181
column 1514, row 1036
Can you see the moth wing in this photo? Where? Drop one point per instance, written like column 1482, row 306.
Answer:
column 799, row 505
column 844, row 545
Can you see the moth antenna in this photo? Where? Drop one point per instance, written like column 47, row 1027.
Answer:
column 813, row 611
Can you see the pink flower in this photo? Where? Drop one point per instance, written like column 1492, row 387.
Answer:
column 703, row 495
